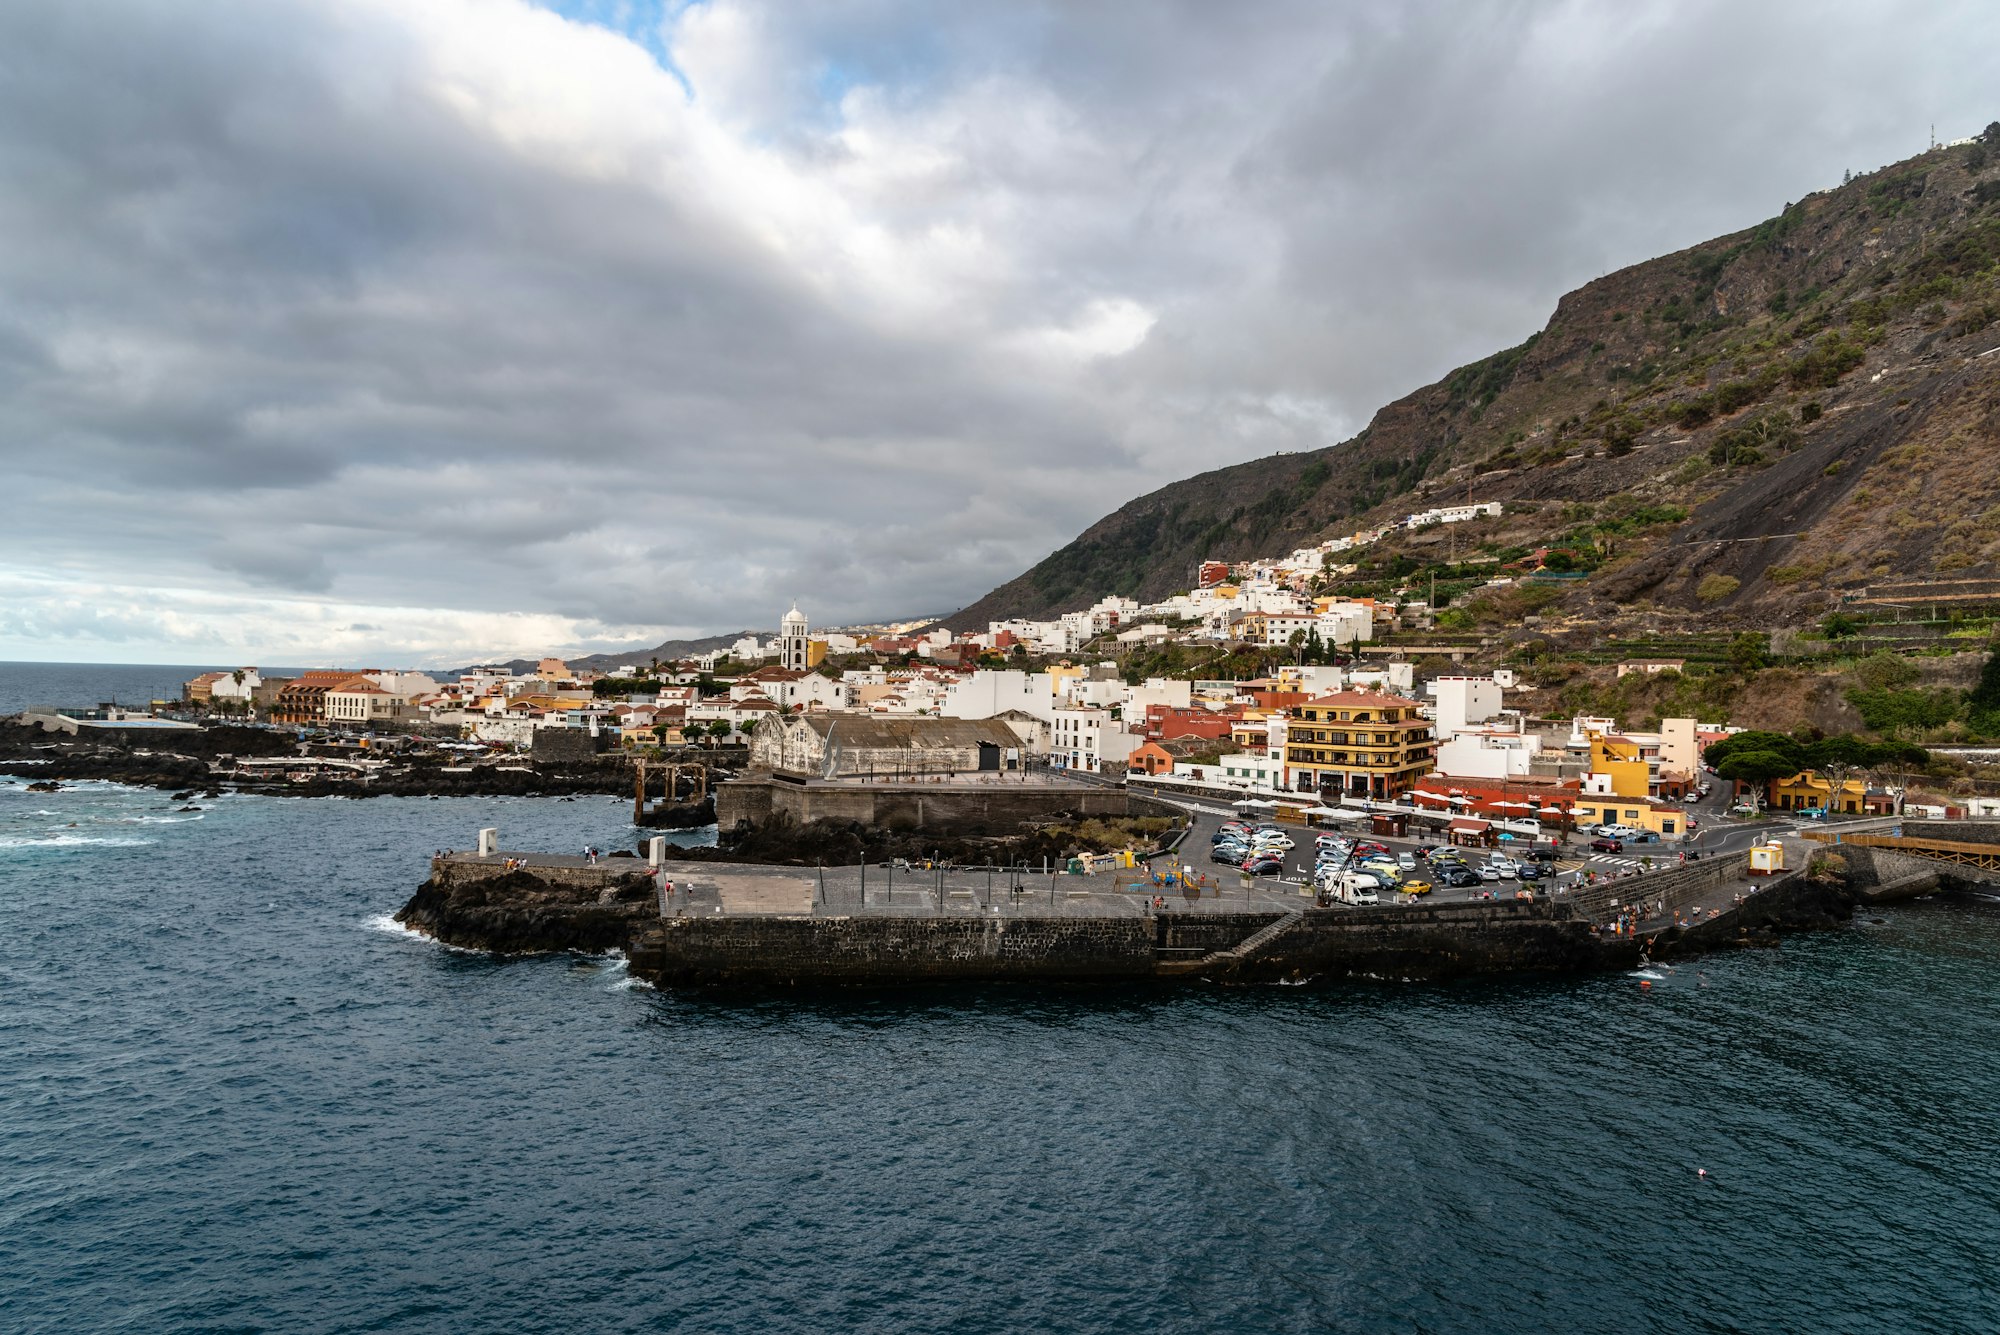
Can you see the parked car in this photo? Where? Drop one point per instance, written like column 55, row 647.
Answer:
column 1264, row 866
column 1228, row 857
column 1407, row 861
column 1606, row 845
column 1542, row 854
column 1425, row 850
column 1489, row 873
column 1370, row 846
column 1458, row 878
column 1742, row 809
column 1534, row 871
column 1507, row 867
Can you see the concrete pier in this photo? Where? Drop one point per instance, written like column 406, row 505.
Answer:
column 733, row 923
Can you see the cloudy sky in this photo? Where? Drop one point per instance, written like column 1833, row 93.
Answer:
column 428, row 330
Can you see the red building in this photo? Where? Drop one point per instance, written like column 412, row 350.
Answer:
column 1164, row 722
column 1212, row 573
column 1531, row 798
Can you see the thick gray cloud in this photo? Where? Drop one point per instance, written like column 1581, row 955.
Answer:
column 474, row 328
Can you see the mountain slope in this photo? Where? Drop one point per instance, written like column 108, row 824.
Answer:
column 1821, row 374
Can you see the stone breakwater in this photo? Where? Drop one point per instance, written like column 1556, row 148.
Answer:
column 567, row 904
column 514, row 911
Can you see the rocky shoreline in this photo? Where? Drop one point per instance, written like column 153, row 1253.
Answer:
column 188, row 765
column 521, row 913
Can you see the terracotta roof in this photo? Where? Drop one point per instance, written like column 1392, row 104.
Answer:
column 1355, row 699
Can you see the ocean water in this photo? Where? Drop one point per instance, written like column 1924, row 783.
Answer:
column 235, row 1098
column 67, row 685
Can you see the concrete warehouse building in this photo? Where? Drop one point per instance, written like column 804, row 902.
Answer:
column 850, row 746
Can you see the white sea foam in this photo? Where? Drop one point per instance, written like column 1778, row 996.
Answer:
column 616, row 975
column 384, row 922
column 67, row 841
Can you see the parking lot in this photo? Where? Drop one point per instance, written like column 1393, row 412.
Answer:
column 1576, row 862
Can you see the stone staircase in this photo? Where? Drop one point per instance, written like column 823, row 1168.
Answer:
column 1167, row 964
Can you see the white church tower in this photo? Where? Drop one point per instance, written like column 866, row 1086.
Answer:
column 794, row 645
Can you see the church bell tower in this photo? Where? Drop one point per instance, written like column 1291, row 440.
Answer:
column 794, row 645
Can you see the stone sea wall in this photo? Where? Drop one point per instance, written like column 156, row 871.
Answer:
column 781, row 951
column 1448, row 941
column 946, row 808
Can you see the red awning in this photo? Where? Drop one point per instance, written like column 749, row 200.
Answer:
column 1468, row 827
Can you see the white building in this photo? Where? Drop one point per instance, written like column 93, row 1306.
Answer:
column 1089, row 739
column 1345, row 623
column 237, row 685
column 989, row 692
column 1158, row 691
column 1488, row 753
column 404, row 685
column 814, row 690
column 1463, row 702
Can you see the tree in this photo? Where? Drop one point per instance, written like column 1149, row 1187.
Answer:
column 1839, row 626
column 1983, row 701
column 1749, row 651
column 1755, row 742
column 1757, row 767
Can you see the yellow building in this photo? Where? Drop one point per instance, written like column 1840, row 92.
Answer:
column 1807, row 790
column 815, row 653
column 1358, row 743
column 1669, row 822
column 1620, row 760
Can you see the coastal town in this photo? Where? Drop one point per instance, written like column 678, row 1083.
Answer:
column 1349, row 729
column 1266, row 733
column 1339, row 730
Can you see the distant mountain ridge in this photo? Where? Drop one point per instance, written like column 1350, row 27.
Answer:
column 665, row 652
column 1830, row 373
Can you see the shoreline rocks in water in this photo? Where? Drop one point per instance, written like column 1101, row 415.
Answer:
column 186, row 770
column 520, row 913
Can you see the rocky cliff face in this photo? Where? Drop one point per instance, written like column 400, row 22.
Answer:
column 1828, row 380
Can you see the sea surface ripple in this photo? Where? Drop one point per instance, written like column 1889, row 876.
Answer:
column 236, row 1098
